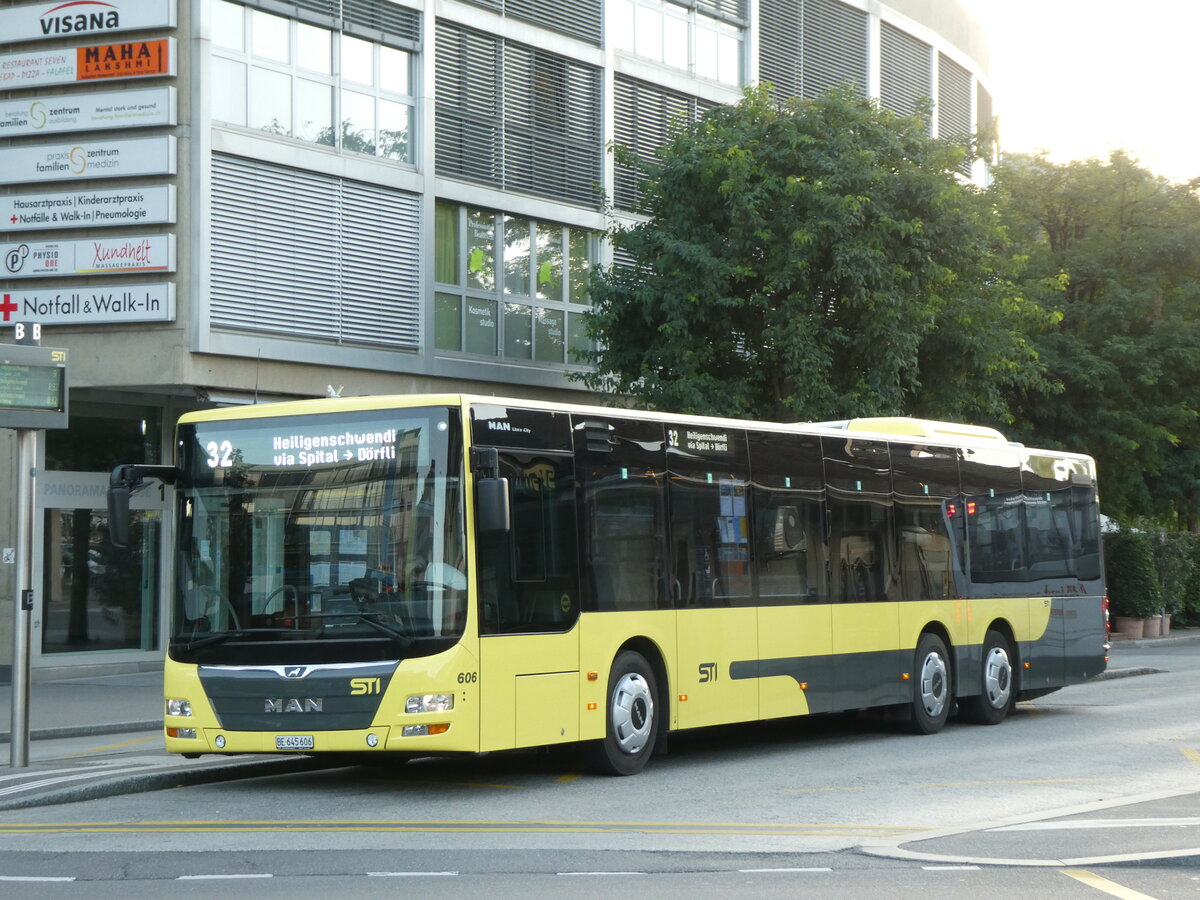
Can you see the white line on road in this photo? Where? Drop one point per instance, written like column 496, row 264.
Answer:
column 219, row 877
column 408, row 874
column 809, row 869
column 1076, row 824
column 36, row 878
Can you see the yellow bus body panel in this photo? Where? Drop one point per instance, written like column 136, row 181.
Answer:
column 601, row 637
column 785, row 632
column 709, row 642
column 529, row 689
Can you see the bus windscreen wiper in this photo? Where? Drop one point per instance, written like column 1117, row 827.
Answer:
column 222, row 636
column 404, row 640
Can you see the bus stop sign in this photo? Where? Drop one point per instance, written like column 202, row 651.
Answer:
column 33, row 387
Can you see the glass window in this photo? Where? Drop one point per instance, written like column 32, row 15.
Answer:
column 270, row 101
column 619, row 24
column 578, row 343
column 96, row 596
column 481, row 249
column 446, row 243
column 314, row 109
column 229, row 103
column 675, row 41
column 102, row 436
column 516, row 256
column 518, row 331
column 549, row 261
column 394, row 129
column 314, row 48
column 648, row 34
column 548, row 342
column 358, row 122
column 358, row 60
column 580, row 264
column 394, row 70
column 228, row 25
column 480, row 319
column 269, row 35
column 447, row 322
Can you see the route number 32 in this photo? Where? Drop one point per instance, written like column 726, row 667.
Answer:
column 220, row 456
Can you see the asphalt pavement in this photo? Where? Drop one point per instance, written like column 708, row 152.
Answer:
column 97, row 733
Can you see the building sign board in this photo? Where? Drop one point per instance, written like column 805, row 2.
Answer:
column 153, row 205
column 88, row 159
column 105, row 256
column 88, row 112
column 56, row 19
column 92, row 305
column 75, row 65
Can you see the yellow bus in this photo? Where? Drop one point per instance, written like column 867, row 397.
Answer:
column 428, row 574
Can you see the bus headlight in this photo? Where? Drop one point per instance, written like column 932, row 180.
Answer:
column 429, row 703
column 179, row 708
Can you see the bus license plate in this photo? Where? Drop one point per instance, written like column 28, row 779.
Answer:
column 293, row 742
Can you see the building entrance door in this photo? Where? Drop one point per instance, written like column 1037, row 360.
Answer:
column 95, row 598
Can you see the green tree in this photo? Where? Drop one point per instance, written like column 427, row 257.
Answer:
column 811, row 260
column 1124, row 361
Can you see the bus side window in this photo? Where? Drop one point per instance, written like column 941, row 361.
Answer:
column 862, row 526
column 791, row 556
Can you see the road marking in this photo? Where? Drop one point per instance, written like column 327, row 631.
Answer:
column 1193, row 755
column 408, row 874
column 602, row 873
column 1103, row 884
column 36, row 878
column 950, row 868
column 51, row 782
column 1083, row 824
column 809, row 869
column 113, row 746
column 497, row 827
column 567, row 779
column 223, row 877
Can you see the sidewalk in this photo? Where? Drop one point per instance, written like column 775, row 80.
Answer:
column 81, row 704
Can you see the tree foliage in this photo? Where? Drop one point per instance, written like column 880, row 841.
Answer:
column 812, row 260
column 1125, row 358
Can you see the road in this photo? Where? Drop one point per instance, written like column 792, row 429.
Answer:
column 1090, row 792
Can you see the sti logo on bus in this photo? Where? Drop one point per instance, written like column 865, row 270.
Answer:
column 708, row 672
column 293, row 705
column 360, row 686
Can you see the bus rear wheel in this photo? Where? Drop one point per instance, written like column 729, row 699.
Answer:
column 932, row 693
column 997, row 684
column 631, row 714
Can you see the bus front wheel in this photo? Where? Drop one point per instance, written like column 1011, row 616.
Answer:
column 631, row 714
column 932, row 693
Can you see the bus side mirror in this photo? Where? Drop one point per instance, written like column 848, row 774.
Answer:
column 493, row 510
column 118, row 512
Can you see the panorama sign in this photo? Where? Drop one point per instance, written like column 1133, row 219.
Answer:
column 75, row 18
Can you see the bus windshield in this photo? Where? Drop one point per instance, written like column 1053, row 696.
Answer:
column 335, row 537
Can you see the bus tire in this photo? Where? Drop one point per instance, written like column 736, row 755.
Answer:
column 997, row 683
column 932, row 694
column 631, row 718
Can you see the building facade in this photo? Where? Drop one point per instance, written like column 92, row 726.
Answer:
column 236, row 201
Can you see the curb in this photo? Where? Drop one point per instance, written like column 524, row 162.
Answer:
column 70, row 731
column 171, row 778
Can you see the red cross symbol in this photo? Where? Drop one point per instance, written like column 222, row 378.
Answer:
column 8, row 306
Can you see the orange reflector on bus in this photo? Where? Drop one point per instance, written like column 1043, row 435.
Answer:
column 440, row 728
column 683, row 698
column 1027, row 665
column 592, row 706
column 905, row 677
column 804, row 685
column 593, row 676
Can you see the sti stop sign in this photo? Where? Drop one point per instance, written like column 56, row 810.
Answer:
column 33, row 387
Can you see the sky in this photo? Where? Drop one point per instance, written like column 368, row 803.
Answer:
column 1081, row 78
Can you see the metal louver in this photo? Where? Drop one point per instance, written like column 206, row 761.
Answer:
column 582, row 19
column 779, row 46
column 376, row 20
column 516, row 116
column 834, row 47
column 643, row 118
column 906, row 70
column 954, row 104
column 302, row 254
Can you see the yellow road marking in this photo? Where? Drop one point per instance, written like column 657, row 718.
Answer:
column 114, row 746
column 1103, row 884
column 459, row 826
column 567, row 779
column 1193, row 755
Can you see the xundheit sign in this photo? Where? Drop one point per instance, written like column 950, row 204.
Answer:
column 98, row 256
column 83, row 18
column 91, row 305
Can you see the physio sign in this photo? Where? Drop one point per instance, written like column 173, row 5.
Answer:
column 88, row 159
column 88, row 112
column 83, row 18
column 112, row 256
